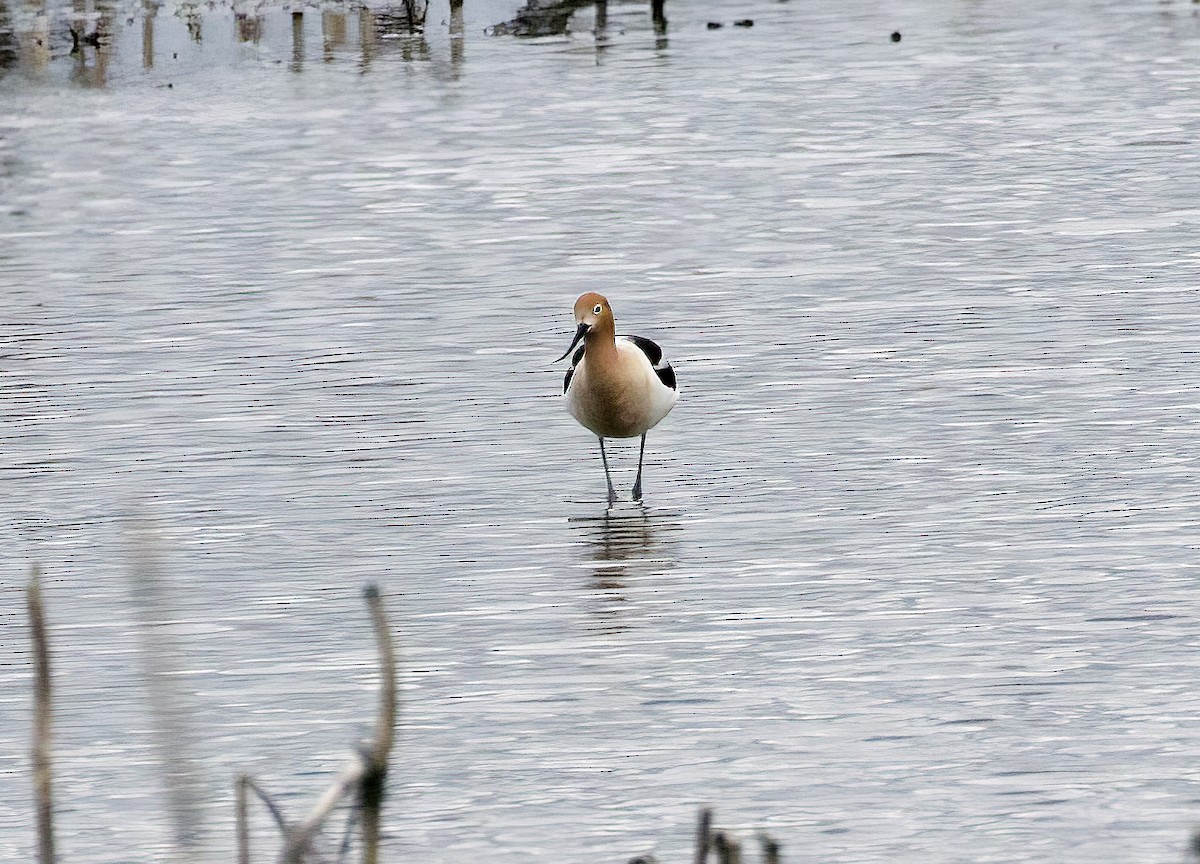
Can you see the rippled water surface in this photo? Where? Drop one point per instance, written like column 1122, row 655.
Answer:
column 916, row 579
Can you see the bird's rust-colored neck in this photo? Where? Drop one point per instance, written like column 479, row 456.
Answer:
column 601, row 342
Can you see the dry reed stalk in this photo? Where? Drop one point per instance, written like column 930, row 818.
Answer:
column 372, row 788
column 240, row 806
column 703, row 836
column 42, row 719
column 172, row 710
column 367, row 774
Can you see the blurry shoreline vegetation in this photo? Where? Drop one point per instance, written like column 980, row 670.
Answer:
column 35, row 34
column 362, row 782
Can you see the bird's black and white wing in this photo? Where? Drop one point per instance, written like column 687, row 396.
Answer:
column 571, row 371
column 655, row 355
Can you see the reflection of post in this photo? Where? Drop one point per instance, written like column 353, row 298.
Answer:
column 191, row 17
column 660, row 23
column 415, row 11
column 35, row 44
column 333, row 29
column 248, row 27
column 9, row 50
column 366, row 36
column 150, row 8
column 98, row 41
column 106, row 11
column 456, row 31
column 414, row 48
column 297, row 41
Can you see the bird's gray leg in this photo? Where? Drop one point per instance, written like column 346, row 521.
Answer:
column 637, row 484
column 612, row 495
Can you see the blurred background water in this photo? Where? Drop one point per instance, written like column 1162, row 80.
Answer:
column 917, row 576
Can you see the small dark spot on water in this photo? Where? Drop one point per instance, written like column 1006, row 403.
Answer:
column 1023, row 685
column 1135, row 618
column 714, row 25
column 918, row 154
column 745, row 22
column 896, row 36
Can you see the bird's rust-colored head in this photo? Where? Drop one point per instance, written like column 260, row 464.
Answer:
column 593, row 319
column 593, row 309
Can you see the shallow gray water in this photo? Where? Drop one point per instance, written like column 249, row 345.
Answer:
column 917, row 576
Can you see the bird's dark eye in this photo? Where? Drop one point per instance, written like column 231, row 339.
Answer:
column 597, row 309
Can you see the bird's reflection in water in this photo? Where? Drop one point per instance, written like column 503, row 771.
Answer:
column 622, row 549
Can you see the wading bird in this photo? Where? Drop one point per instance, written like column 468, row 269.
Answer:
column 617, row 386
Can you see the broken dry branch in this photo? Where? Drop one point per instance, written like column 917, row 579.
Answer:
column 245, row 783
column 300, row 838
column 367, row 774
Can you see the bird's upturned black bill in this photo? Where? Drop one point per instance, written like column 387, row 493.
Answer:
column 580, row 332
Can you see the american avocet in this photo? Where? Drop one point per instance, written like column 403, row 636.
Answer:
column 617, row 386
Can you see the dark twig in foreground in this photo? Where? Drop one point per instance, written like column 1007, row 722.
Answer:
column 729, row 851
column 770, row 849
column 242, row 785
column 726, row 847
column 270, row 804
column 42, row 720
column 703, row 835
column 347, row 836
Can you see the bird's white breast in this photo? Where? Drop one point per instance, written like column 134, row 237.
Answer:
column 621, row 399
